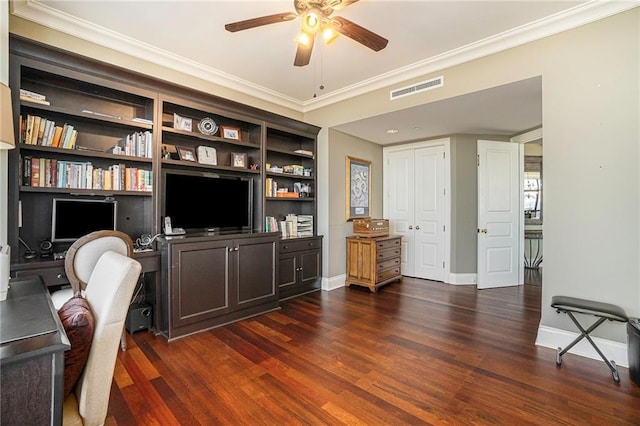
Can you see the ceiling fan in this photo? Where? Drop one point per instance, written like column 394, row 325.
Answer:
column 316, row 17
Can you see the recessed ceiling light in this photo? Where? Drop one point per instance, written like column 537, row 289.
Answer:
column 392, row 131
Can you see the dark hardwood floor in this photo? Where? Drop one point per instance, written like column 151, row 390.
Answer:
column 417, row 352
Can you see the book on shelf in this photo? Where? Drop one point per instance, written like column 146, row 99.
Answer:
column 35, row 171
column 55, row 140
column 34, row 100
column 271, row 224
column 35, row 128
column 32, row 95
column 291, row 223
column 26, row 170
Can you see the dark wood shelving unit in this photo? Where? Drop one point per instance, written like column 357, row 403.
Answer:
column 103, row 103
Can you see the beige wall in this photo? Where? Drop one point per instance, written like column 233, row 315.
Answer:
column 464, row 201
column 591, row 109
column 341, row 146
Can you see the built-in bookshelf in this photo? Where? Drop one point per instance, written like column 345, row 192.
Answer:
column 290, row 175
column 87, row 129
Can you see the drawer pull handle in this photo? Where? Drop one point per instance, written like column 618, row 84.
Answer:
column 285, row 247
column 310, row 244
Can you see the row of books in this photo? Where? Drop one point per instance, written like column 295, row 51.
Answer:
column 293, row 225
column 36, row 130
column 139, row 144
column 54, row 173
column 300, row 190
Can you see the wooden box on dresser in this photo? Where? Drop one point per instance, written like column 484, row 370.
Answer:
column 373, row 261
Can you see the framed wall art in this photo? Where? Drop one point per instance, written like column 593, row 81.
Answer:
column 358, row 188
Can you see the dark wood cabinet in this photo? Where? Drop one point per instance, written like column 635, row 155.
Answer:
column 300, row 266
column 210, row 280
column 373, row 261
column 33, row 342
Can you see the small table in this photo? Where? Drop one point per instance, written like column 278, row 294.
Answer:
column 32, row 346
column 533, row 261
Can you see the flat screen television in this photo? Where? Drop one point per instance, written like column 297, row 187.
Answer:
column 201, row 201
column 74, row 218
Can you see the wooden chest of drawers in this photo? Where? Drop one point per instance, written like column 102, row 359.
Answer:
column 373, row 261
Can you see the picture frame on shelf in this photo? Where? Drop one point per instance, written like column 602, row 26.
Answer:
column 186, row 153
column 229, row 132
column 182, row 123
column 358, row 188
column 207, row 155
column 239, row 160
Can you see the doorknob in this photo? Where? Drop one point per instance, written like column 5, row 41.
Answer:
column 410, row 226
column 482, row 231
column 417, row 227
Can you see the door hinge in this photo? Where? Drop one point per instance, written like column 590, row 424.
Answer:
column 444, row 155
column 444, row 228
column 478, row 159
column 442, row 265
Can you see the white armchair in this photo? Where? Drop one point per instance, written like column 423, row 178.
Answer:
column 109, row 291
column 82, row 257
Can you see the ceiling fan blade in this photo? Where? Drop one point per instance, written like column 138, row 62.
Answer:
column 360, row 34
column 258, row 22
column 303, row 55
column 340, row 4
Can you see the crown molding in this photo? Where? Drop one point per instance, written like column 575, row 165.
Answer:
column 571, row 18
column 582, row 14
column 47, row 16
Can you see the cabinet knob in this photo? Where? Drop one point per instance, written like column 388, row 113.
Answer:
column 410, row 226
column 310, row 244
column 235, row 249
column 60, row 276
column 417, row 226
column 285, row 247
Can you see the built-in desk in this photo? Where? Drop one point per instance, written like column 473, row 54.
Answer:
column 32, row 346
column 53, row 274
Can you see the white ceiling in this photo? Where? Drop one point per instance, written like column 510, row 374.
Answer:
column 423, row 35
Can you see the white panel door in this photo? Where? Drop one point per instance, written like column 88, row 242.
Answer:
column 429, row 213
column 498, row 214
column 399, row 182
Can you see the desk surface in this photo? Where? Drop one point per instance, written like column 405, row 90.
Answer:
column 28, row 321
column 21, row 315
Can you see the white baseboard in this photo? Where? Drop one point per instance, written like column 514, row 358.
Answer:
column 332, row 283
column 554, row 338
column 462, row 279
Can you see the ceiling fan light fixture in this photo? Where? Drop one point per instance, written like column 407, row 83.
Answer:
column 329, row 35
column 311, row 20
column 304, row 38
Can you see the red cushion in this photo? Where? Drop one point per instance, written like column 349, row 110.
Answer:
column 78, row 322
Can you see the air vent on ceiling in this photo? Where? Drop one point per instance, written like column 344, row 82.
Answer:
column 417, row 88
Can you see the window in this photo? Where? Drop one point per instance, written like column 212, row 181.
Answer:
column 533, row 190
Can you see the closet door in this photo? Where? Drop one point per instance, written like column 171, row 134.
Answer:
column 400, row 204
column 429, row 213
column 415, row 205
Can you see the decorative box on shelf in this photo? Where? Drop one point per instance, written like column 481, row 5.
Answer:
column 371, row 227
